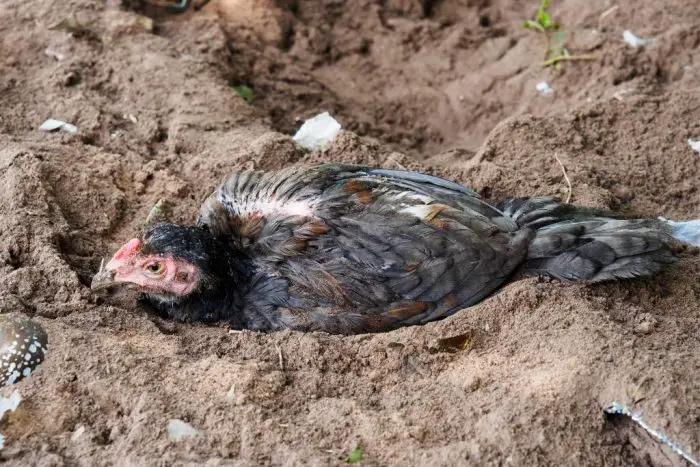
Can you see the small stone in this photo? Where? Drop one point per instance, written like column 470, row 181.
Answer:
column 124, row 23
column 71, row 78
column 261, row 17
column 645, row 324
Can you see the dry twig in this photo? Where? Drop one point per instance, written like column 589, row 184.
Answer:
column 566, row 177
column 279, row 355
column 607, row 13
column 569, row 58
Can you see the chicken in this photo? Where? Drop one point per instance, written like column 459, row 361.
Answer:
column 350, row 249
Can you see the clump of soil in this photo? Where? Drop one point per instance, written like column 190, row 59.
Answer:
column 447, row 87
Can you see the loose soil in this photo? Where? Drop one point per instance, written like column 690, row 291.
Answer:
column 447, row 87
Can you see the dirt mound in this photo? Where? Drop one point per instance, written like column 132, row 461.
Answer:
column 429, row 75
column 421, row 85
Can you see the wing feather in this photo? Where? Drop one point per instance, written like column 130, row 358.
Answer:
column 365, row 249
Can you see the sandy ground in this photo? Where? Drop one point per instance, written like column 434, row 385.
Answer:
column 442, row 86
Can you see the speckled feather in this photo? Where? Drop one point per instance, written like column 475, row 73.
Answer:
column 23, row 347
column 348, row 249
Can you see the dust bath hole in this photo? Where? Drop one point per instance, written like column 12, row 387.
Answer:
column 81, row 255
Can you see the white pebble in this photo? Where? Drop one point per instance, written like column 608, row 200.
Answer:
column 178, row 429
column 317, row 131
column 52, row 125
column 694, row 144
column 634, row 41
column 544, row 88
column 77, row 433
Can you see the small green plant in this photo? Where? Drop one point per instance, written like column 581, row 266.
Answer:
column 245, row 92
column 355, row 456
column 555, row 51
column 543, row 20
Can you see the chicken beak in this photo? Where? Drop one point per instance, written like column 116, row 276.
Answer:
column 104, row 278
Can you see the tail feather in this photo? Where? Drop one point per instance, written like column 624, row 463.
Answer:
column 571, row 243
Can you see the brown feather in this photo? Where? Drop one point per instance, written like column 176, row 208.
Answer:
column 407, row 309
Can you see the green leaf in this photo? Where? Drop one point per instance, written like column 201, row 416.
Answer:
column 544, row 19
column 245, row 92
column 355, row 455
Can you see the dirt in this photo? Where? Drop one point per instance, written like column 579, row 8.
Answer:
column 447, row 87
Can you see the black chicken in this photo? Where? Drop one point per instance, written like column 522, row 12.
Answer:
column 350, row 249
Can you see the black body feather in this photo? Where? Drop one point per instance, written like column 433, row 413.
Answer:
column 348, row 249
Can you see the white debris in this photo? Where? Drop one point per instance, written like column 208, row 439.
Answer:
column 77, row 433
column 685, row 231
column 231, row 394
column 618, row 409
column 52, row 125
column 54, row 54
column 178, row 429
column 317, row 131
column 694, row 144
column 8, row 404
column 634, row 41
column 544, row 88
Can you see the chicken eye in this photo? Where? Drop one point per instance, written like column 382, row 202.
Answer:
column 154, row 268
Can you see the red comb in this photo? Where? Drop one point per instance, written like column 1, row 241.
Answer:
column 128, row 250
